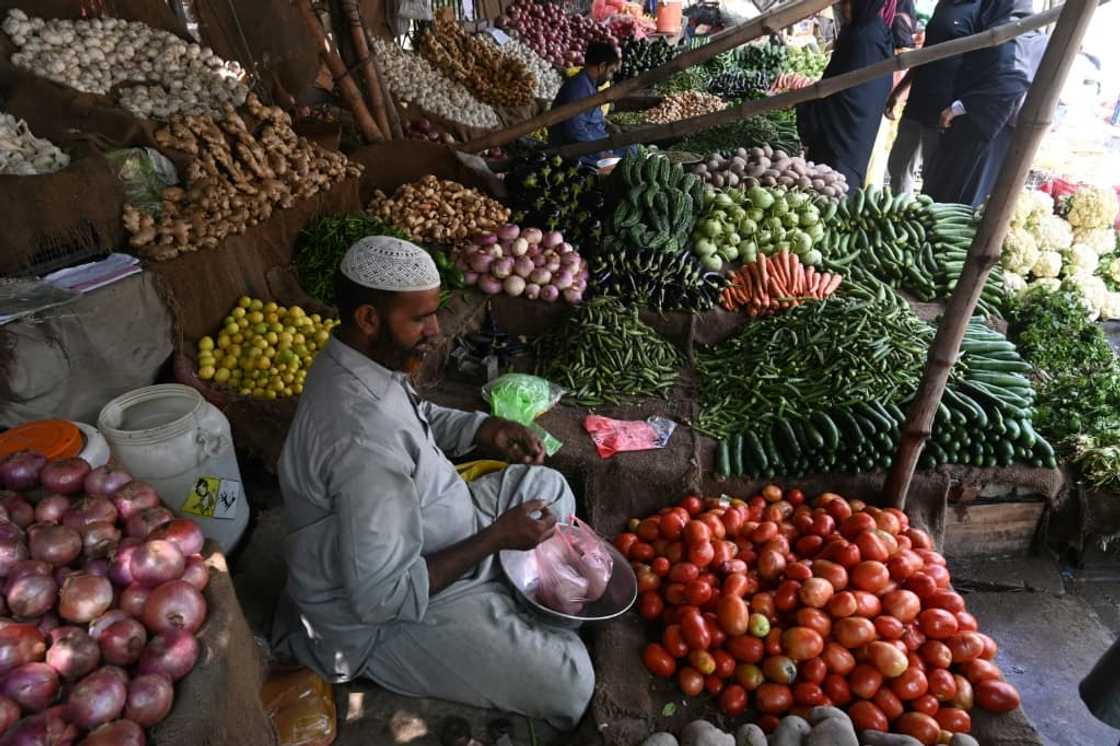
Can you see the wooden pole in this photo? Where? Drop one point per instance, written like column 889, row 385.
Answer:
column 390, row 105
column 365, row 63
column 346, row 85
column 768, row 23
column 821, row 89
column 1033, row 122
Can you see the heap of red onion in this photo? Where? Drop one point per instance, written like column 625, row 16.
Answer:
column 556, row 36
column 524, row 262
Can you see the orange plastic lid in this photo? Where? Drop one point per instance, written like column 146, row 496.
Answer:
column 54, row 439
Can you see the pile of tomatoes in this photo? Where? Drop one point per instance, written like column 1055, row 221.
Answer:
column 794, row 605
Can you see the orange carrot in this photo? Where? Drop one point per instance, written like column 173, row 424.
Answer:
column 832, row 285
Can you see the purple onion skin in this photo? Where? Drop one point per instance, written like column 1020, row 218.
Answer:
column 20, row 470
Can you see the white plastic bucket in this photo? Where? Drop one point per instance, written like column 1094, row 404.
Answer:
column 171, row 437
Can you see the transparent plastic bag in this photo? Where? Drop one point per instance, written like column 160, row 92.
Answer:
column 616, row 436
column 145, row 173
column 301, row 706
column 574, row 567
column 522, row 398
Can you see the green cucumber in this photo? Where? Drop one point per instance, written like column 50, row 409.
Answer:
column 737, row 454
column 723, row 460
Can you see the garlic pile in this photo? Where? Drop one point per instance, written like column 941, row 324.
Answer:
column 240, row 173
column 23, row 154
column 411, row 78
column 439, row 211
column 548, row 81
column 678, row 106
column 171, row 76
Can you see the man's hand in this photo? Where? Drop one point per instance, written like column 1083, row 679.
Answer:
column 514, row 441
column 518, row 529
column 947, row 117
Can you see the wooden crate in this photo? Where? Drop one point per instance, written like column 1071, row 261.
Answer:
column 989, row 529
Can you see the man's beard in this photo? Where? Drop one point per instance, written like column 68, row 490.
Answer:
column 396, row 356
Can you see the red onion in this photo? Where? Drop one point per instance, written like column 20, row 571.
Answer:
column 480, row 261
column 61, row 573
column 489, row 284
column 84, row 598
column 73, row 654
column 100, row 539
column 98, row 567
column 23, row 568
column 11, row 532
column 98, row 626
column 134, row 497
column 48, row 623
column 508, row 232
column 522, row 267
column 549, row 293
column 183, row 533
column 174, row 605
column 122, row 642
column 64, row 477
column 11, row 552
column 146, row 521
column 98, row 698
column 57, row 545
column 32, row 596
column 196, row 572
column 89, row 510
column 45, row 729
column 9, row 714
column 120, row 569
column 19, row 510
column 150, row 697
column 20, row 471
column 116, row 733
column 170, row 653
column 532, row 291
column 133, row 598
column 33, row 686
column 105, row 481
column 155, row 562
column 51, row 508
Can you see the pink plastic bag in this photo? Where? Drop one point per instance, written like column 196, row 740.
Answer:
column 575, row 567
column 615, row 436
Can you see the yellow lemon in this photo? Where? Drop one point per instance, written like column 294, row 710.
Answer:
column 244, row 301
column 297, row 389
column 256, row 304
column 206, row 372
column 221, row 375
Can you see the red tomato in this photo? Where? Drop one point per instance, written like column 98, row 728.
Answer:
column 671, row 526
column 772, row 493
column 773, row 641
column 913, row 637
column 886, row 701
column 815, row 592
column 763, row 603
column 697, row 532
column 903, row 605
column 771, row 565
column 919, row 538
column 833, row 572
column 702, row 661
column 965, row 697
column 780, row 669
column 764, row 532
column 733, row 615
column 954, row 720
column 823, row 524
column 658, row 661
column 941, row 684
column 650, row 605
column 990, row 647
column 865, row 715
column 624, row 543
column 674, row 594
column 801, row 571
column 746, row 648
column 871, row 576
column 808, row 546
column 904, row 565
column 918, row 725
column 697, row 592
column 865, row 681
column 732, row 522
column 966, row 622
column 674, row 552
column 814, row 619
column 966, row 646
column 910, row 684
column 922, row 584
column 773, row 699
column 868, row 604
column 838, row 658
column 725, row 664
column 937, row 624
column 749, row 676
column 837, row 690
column 940, row 575
column 649, row 529
column 660, row 567
column 853, row 631
column 889, row 628
column 701, row 555
column 889, row 522
column 813, row 670
column 714, row 524
column 714, row 631
column 839, row 509
column 642, row 552
column 889, row 660
column 856, row 524
column 948, row 600
column 980, row 670
column 683, row 572
column 692, row 504
column 690, row 681
column 872, row 548
column 936, row 653
column 808, row 694
column 785, row 598
column 695, row 631
column 673, row 641
column 802, row 643
column 927, row 704
column 843, row 604
column 733, row 701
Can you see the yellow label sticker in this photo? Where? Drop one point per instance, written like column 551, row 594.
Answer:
column 213, row 497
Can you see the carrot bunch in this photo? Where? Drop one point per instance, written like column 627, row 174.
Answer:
column 790, row 82
column 771, row 284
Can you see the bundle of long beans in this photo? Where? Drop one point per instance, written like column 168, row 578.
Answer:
column 603, row 354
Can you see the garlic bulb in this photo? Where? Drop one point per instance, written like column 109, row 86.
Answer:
column 547, row 79
column 23, row 154
column 152, row 67
column 411, row 78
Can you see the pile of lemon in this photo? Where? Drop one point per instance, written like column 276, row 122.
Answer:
column 263, row 350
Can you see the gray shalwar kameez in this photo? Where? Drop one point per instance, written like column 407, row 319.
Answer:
column 368, row 493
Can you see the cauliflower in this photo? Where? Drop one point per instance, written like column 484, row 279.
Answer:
column 1081, row 259
column 1093, row 207
column 1111, row 269
column 1020, row 251
column 1091, row 289
column 1044, row 284
column 1014, row 283
column 1049, row 264
column 1101, row 240
column 1031, row 206
column 1111, row 309
column 1053, row 234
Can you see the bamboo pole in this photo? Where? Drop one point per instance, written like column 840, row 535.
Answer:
column 347, row 87
column 821, row 89
column 365, row 62
column 768, row 23
column 1033, row 122
column 390, row 106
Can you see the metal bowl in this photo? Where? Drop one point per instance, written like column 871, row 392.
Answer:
column 622, row 589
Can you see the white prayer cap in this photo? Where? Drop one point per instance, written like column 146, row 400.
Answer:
column 387, row 263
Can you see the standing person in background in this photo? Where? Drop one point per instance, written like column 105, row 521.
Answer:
column 990, row 86
column 840, row 130
column 930, row 91
column 904, row 25
column 600, row 63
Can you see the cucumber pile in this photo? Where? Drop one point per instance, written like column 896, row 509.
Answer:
column 952, row 228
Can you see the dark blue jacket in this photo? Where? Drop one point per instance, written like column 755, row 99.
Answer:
column 583, row 127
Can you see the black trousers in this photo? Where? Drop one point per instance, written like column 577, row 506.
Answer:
column 957, row 173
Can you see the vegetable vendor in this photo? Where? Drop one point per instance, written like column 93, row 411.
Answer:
column 600, row 63
column 392, row 573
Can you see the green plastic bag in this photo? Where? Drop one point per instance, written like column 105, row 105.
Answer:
column 522, row 398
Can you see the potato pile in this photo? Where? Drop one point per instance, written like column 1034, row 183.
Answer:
column 439, row 211
column 238, row 176
column 678, row 106
column 494, row 78
column 767, row 167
